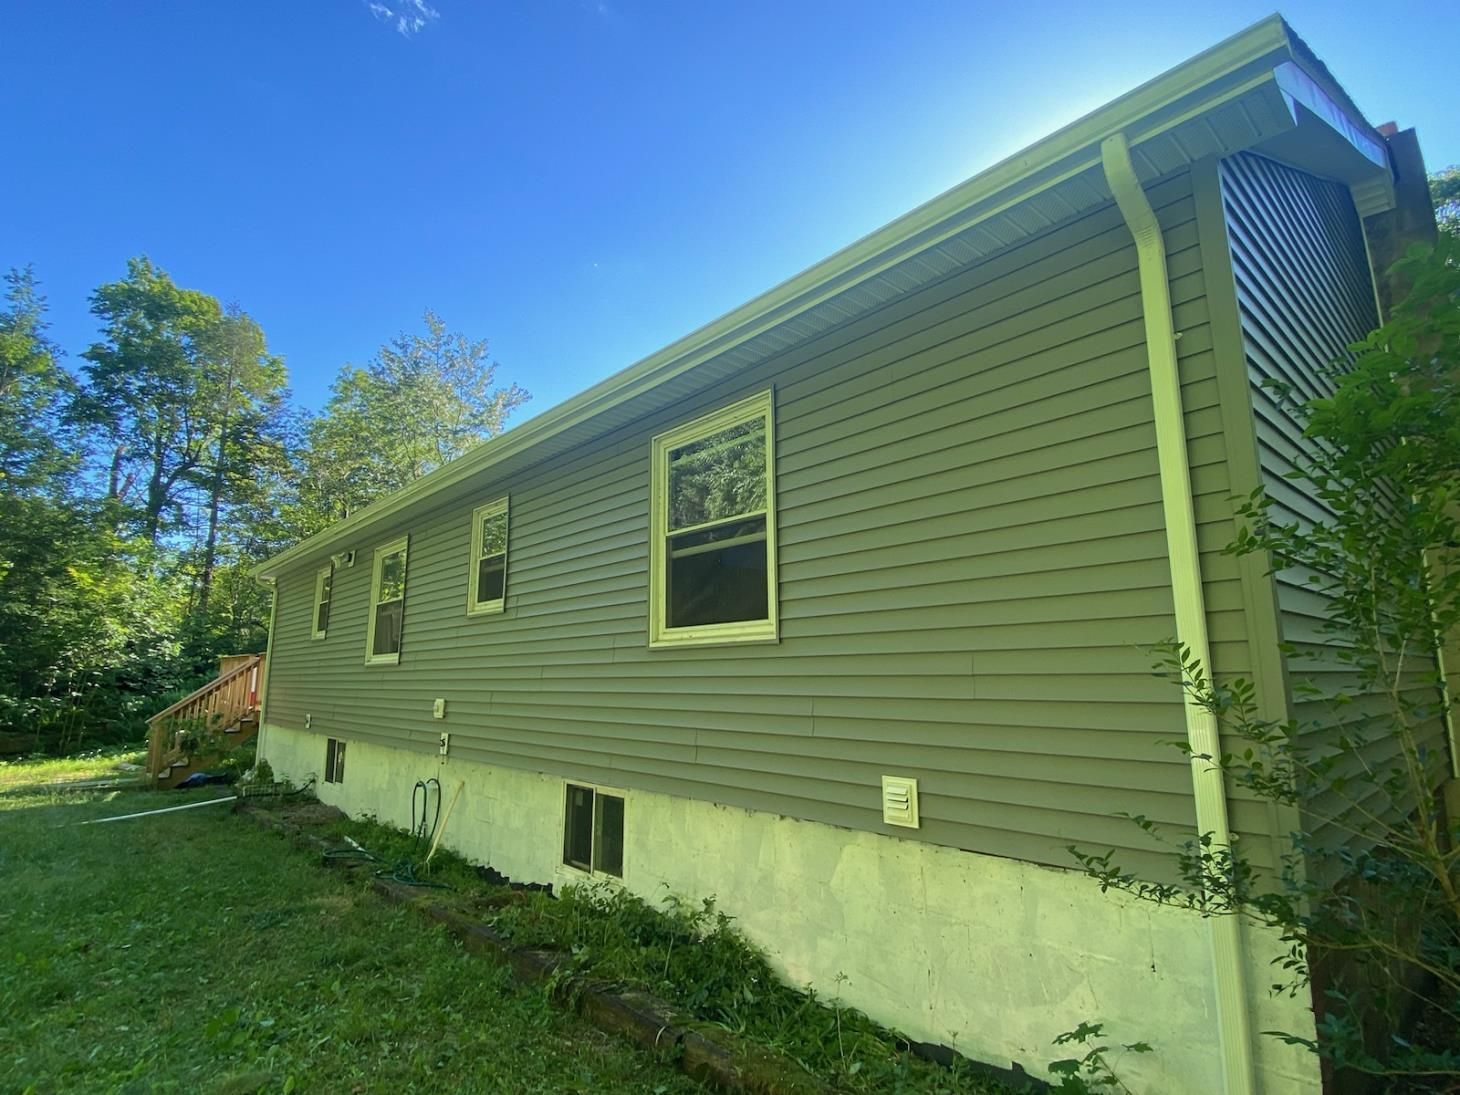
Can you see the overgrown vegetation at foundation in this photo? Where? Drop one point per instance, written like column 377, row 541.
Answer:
column 1095, row 1069
column 690, row 955
column 196, row 952
column 1367, row 899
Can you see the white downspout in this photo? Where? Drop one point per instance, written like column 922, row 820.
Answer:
column 1233, row 1021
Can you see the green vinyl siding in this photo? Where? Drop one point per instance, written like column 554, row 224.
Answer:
column 1304, row 294
column 971, row 555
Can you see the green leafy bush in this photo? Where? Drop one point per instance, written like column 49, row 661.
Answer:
column 692, row 955
column 1368, row 896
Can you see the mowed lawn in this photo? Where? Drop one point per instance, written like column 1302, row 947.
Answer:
column 198, row 952
column 99, row 765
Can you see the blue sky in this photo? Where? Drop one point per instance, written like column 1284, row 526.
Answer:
column 579, row 181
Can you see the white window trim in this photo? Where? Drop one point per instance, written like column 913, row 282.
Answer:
column 595, row 874
column 402, row 545
column 760, row 405
column 478, row 515
column 327, row 571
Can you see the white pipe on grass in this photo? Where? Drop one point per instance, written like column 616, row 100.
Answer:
column 164, row 810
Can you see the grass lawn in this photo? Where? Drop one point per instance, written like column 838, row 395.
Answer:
column 100, row 764
column 685, row 953
column 195, row 951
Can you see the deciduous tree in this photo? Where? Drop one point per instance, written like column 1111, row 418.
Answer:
column 1445, row 193
column 422, row 401
column 1371, row 879
column 244, row 392
column 149, row 390
column 34, row 392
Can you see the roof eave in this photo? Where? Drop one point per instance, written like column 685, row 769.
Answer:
column 1247, row 56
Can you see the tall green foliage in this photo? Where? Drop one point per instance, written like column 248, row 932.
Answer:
column 135, row 499
column 1370, row 887
column 147, row 392
column 95, row 634
column 1445, row 193
column 34, row 390
column 190, row 405
column 422, row 401
column 244, row 397
column 243, row 393
column 84, row 630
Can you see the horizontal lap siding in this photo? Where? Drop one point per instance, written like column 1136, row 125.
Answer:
column 971, row 556
column 1305, row 294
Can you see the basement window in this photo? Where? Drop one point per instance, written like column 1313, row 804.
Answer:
column 387, row 604
column 712, row 550
column 334, row 761
column 323, row 586
column 488, row 583
column 593, row 831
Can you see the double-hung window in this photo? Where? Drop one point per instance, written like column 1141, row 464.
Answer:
column 712, row 546
column 387, row 604
column 323, row 586
column 487, row 587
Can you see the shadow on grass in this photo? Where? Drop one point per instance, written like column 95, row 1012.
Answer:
column 192, row 951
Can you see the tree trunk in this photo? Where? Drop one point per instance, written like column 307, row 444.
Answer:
column 210, row 546
column 156, row 493
column 215, row 499
column 114, row 477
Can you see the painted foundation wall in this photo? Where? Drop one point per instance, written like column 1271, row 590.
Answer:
column 990, row 955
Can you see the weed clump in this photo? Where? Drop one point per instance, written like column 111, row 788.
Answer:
column 692, row 956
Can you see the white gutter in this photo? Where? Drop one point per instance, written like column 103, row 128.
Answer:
column 1234, row 1026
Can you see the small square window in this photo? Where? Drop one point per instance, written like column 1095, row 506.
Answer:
column 334, row 761
column 593, row 831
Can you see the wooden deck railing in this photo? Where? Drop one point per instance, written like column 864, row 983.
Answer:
column 219, row 704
